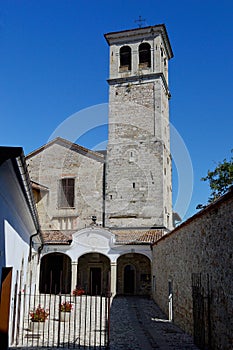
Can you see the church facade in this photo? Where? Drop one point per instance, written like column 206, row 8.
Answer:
column 101, row 211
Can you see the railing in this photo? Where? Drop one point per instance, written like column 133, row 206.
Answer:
column 85, row 326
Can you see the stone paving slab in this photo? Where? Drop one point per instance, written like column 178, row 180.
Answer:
column 138, row 323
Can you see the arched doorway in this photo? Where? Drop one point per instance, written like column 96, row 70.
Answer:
column 133, row 274
column 55, row 274
column 129, row 279
column 93, row 273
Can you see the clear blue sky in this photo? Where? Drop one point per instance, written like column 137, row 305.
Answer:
column 54, row 62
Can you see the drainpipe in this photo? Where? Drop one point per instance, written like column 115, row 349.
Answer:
column 39, row 249
column 27, row 190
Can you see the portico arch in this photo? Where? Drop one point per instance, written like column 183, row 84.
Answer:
column 93, row 273
column 55, row 274
column 133, row 274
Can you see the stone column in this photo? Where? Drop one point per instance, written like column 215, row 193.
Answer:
column 113, row 277
column 74, row 267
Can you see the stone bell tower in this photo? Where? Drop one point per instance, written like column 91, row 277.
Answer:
column 138, row 189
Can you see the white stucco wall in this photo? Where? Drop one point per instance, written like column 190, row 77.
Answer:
column 16, row 227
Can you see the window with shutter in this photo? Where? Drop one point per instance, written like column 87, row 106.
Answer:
column 66, row 193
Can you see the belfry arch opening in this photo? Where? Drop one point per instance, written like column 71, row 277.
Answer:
column 125, row 58
column 133, row 274
column 55, row 274
column 93, row 273
column 144, row 55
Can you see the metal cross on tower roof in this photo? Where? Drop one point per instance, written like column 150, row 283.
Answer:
column 139, row 21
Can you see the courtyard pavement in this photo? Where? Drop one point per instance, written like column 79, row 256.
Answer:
column 138, row 323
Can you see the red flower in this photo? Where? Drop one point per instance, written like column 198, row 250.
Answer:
column 39, row 314
column 78, row 291
column 66, row 306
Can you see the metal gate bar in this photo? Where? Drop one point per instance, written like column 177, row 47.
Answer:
column 201, row 310
column 86, row 326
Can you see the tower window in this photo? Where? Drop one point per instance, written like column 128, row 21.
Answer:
column 66, row 193
column 125, row 58
column 144, row 55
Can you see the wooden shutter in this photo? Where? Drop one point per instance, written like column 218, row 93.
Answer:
column 66, row 195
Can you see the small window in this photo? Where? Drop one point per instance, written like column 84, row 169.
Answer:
column 144, row 55
column 125, row 58
column 66, row 193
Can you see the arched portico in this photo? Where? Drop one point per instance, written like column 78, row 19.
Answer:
column 133, row 274
column 94, row 262
column 93, row 273
column 55, row 273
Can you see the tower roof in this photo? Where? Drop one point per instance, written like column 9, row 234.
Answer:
column 139, row 33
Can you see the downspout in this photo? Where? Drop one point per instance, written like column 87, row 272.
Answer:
column 31, row 243
column 26, row 183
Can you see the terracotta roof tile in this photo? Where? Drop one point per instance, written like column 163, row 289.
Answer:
column 137, row 236
column 57, row 236
column 124, row 236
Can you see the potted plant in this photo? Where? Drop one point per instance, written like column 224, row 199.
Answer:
column 37, row 317
column 78, row 291
column 39, row 314
column 65, row 309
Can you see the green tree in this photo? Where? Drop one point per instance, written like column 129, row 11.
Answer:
column 220, row 179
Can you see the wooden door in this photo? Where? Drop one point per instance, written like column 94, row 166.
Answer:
column 5, row 306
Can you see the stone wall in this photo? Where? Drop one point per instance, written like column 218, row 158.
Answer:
column 60, row 159
column 138, row 166
column 195, row 258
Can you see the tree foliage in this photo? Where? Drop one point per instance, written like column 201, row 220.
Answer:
column 220, row 179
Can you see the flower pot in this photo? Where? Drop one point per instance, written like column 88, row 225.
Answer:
column 65, row 316
column 36, row 327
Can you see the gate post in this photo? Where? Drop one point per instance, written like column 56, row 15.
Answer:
column 59, row 324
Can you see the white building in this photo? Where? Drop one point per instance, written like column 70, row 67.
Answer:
column 20, row 239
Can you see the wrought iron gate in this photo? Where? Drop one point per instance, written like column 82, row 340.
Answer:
column 85, row 326
column 201, row 310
